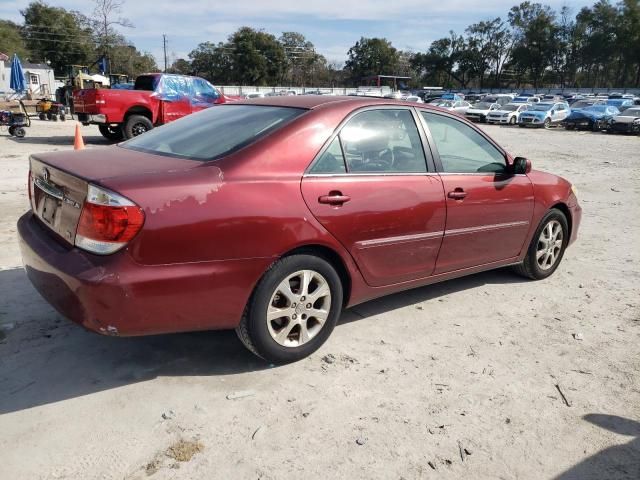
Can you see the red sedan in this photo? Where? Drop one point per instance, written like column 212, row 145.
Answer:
column 270, row 216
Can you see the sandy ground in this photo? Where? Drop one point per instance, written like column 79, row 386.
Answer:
column 464, row 379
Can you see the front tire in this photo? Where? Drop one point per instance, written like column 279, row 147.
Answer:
column 547, row 123
column 547, row 247
column 293, row 309
column 136, row 125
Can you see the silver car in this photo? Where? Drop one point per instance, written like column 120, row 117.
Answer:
column 507, row 114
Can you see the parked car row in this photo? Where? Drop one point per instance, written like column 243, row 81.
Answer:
column 596, row 113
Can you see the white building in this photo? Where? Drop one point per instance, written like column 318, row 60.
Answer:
column 39, row 78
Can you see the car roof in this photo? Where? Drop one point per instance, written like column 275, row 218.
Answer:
column 312, row 102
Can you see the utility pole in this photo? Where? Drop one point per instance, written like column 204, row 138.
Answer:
column 164, row 45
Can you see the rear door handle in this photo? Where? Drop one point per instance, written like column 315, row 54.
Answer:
column 457, row 194
column 334, row 198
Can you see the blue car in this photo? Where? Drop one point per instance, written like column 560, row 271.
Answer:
column 594, row 117
column 544, row 114
column 620, row 103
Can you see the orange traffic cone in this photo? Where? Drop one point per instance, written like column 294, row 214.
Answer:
column 78, row 143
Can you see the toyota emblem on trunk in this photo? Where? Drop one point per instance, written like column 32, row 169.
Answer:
column 45, row 175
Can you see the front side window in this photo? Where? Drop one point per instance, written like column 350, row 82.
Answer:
column 204, row 91
column 382, row 140
column 462, row 149
column 214, row 132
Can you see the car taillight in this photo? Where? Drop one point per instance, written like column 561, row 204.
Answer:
column 108, row 221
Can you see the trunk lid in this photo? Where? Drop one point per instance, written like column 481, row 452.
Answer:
column 59, row 180
column 97, row 164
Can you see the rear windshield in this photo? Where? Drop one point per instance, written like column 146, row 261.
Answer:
column 214, row 132
column 147, row 82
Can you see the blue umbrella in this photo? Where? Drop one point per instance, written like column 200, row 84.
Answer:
column 17, row 83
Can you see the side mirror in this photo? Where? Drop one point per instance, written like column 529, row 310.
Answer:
column 521, row 165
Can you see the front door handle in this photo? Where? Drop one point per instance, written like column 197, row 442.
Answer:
column 334, row 198
column 457, row 194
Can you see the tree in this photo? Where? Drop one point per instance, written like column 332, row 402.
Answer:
column 11, row 40
column 181, row 66
column 371, row 56
column 56, row 35
column 303, row 64
column 481, row 46
column 535, row 31
column 126, row 58
column 212, row 62
column 443, row 61
column 257, row 57
column 105, row 17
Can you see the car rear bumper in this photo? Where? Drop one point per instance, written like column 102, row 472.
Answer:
column 476, row 117
column 113, row 295
column 624, row 128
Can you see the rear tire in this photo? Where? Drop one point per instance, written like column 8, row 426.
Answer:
column 136, row 125
column 111, row 133
column 42, row 116
column 547, row 247
column 300, row 329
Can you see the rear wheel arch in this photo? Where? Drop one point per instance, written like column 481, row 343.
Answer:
column 138, row 110
column 331, row 256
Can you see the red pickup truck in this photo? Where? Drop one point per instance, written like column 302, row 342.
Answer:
column 155, row 99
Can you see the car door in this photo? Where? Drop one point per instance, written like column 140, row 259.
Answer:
column 370, row 187
column 521, row 108
column 205, row 95
column 560, row 112
column 488, row 209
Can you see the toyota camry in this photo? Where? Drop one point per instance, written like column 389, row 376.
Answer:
column 270, row 216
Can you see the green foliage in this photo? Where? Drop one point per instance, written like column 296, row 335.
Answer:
column 11, row 40
column 254, row 57
column 535, row 46
column 371, row 56
column 599, row 47
column 56, row 35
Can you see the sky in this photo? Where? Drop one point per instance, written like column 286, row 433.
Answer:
column 332, row 25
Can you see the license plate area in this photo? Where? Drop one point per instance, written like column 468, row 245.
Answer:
column 57, row 199
column 49, row 209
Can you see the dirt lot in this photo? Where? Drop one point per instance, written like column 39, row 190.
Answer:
column 484, row 377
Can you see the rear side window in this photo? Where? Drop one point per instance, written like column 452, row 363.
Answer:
column 383, row 141
column 146, row 82
column 214, row 132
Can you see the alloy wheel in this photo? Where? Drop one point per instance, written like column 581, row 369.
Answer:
column 138, row 129
column 549, row 245
column 299, row 308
